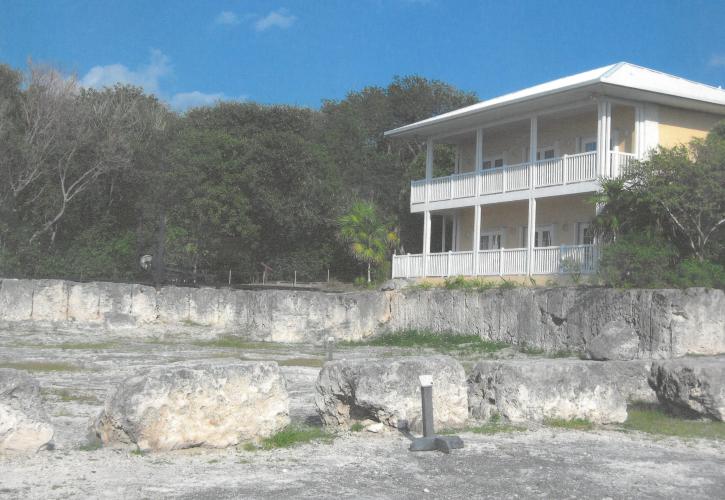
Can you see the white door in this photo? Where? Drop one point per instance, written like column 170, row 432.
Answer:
column 543, row 236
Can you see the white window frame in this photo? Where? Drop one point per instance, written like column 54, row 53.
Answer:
column 585, row 141
column 492, row 233
column 580, row 227
column 540, row 153
column 491, row 160
column 539, row 234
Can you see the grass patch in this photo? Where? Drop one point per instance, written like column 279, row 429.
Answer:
column 66, row 396
column 445, row 342
column 249, row 447
column 310, row 362
column 357, row 427
column 138, row 452
column 189, row 322
column 91, row 446
column 575, row 424
column 233, row 342
column 294, row 435
column 40, row 366
column 87, row 345
column 652, row 419
column 496, row 428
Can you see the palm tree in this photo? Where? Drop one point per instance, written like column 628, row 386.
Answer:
column 368, row 236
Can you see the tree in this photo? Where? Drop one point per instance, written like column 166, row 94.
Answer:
column 369, row 238
column 678, row 192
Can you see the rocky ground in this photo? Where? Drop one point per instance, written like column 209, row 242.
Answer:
column 76, row 371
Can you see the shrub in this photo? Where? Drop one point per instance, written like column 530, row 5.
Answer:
column 637, row 261
column 693, row 272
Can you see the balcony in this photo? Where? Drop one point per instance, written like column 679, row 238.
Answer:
column 564, row 171
column 502, row 262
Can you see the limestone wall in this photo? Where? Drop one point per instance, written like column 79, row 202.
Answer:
column 669, row 323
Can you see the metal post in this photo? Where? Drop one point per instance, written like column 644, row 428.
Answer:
column 295, row 282
column 426, row 396
column 429, row 441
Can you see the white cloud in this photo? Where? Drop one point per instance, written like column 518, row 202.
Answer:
column 717, row 61
column 227, row 17
column 280, row 18
column 147, row 76
column 150, row 78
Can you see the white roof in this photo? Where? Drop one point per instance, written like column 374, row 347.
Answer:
column 623, row 75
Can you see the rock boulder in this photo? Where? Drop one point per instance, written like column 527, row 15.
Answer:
column 24, row 425
column 617, row 340
column 536, row 389
column 208, row 405
column 388, row 391
column 691, row 386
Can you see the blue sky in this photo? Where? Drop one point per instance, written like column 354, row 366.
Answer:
column 300, row 52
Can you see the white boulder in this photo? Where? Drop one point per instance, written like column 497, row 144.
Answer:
column 388, row 391
column 24, row 425
column 208, row 405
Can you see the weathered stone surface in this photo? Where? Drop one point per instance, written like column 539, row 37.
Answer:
column 388, row 391
column 24, row 426
column 668, row 323
column 204, row 306
column 172, row 303
column 617, row 340
column 143, row 304
column 536, row 389
column 208, row 405
column 693, row 386
column 16, row 300
column 50, row 300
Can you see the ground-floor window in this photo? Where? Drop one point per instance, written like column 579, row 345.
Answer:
column 491, row 240
column 584, row 234
column 543, row 237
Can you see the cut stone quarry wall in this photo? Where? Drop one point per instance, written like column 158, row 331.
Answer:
column 668, row 323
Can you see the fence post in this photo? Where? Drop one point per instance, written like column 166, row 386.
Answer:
column 500, row 261
column 295, row 282
column 448, row 263
column 566, row 170
column 407, row 265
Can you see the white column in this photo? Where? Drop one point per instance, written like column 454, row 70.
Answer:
column 604, row 134
column 533, row 146
column 426, row 241
column 428, row 167
column 479, row 150
column 476, row 236
column 443, row 233
column 530, row 236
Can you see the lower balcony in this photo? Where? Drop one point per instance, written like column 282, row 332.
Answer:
column 502, row 262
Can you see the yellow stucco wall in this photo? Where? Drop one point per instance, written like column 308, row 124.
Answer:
column 679, row 126
column 562, row 213
column 564, row 134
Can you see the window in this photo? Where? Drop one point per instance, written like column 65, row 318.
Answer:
column 543, row 237
column 495, row 163
column 584, row 234
column 490, row 240
column 589, row 144
column 546, row 153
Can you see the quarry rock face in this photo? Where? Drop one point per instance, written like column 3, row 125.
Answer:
column 24, row 425
column 601, row 323
column 691, row 386
column 667, row 323
column 214, row 406
column 538, row 389
column 617, row 340
column 388, row 391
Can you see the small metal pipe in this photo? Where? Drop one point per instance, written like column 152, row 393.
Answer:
column 426, row 396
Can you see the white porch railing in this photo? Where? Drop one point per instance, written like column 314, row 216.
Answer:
column 502, row 262
column 568, row 169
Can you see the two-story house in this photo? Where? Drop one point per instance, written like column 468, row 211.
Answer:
column 528, row 163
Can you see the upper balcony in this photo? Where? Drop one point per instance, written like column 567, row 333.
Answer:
column 560, row 151
column 576, row 170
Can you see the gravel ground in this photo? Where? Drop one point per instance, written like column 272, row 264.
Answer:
column 540, row 462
